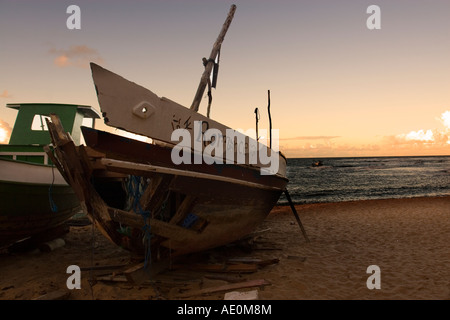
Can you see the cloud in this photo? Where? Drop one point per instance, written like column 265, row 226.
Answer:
column 445, row 118
column 5, row 94
column 76, row 56
column 421, row 135
column 5, row 131
column 415, row 142
column 425, row 137
column 309, row 150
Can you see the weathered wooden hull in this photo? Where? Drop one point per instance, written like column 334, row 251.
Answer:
column 26, row 193
column 179, row 210
column 117, row 147
column 224, row 212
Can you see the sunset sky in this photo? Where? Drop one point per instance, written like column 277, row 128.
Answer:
column 338, row 89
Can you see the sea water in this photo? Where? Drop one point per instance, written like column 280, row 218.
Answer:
column 347, row 179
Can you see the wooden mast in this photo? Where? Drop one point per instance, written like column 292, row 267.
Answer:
column 210, row 62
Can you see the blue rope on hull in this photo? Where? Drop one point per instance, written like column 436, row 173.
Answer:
column 135, row 191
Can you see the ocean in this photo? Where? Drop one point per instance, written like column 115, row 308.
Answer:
column 348, row 179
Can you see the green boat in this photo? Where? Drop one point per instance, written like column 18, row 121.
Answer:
column 34, row 196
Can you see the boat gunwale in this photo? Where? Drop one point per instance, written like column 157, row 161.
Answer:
column 93, row 137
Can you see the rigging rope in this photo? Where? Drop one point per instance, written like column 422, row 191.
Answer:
column 53, row 205
column 134, row 186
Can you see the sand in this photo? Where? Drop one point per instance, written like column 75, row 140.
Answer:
column 407, row 239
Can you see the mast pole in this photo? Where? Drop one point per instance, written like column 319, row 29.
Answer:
column 209, row 64
column 270, row 118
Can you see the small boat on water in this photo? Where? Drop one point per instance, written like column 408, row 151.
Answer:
column 317, row 163
column 34, row 197
column 143, row 200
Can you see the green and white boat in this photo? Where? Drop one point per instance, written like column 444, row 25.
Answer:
column 34, row 196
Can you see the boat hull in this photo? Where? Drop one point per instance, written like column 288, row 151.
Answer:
column 224, row 211
column 231, row 201
column 232, row 212
column 33, row 199
column 139, row 199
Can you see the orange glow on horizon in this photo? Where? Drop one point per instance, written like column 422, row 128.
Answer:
column 5, row 132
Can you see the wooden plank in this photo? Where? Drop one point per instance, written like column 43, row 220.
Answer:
column 55, row 162
column 267, row 248
column 85, row 162
column 55, row 295
column 236, row 295
column 222, row 268
column 140, row 273
column 183, row 209
column 112, row 278
column 141, row 169
column 57, row 133
column 71, row 161
column 150, row 191
column 108, row 267
column 160, row 194
column 227, row 287
column 134, row 268
column 259, row 262
column 90, row 201
column 225, row 277
column 158, row 227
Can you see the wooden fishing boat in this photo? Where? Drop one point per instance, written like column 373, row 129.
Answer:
column 317, row 163
column 144, row 201
column 34, row 197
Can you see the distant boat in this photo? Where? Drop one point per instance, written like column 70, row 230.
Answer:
column 34, row 197
column 317, row 163
column 144, row 202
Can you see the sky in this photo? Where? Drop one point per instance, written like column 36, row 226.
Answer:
column 339, row 87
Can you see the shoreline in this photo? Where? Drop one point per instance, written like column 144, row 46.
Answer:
column 406, row 238
column 359, row 200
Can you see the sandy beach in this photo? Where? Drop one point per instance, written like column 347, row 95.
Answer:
column 407, row 239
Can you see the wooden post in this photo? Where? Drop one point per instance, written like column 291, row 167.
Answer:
column 210, row 63
column 257, row 119
column 295, row 214
column 270, row 118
